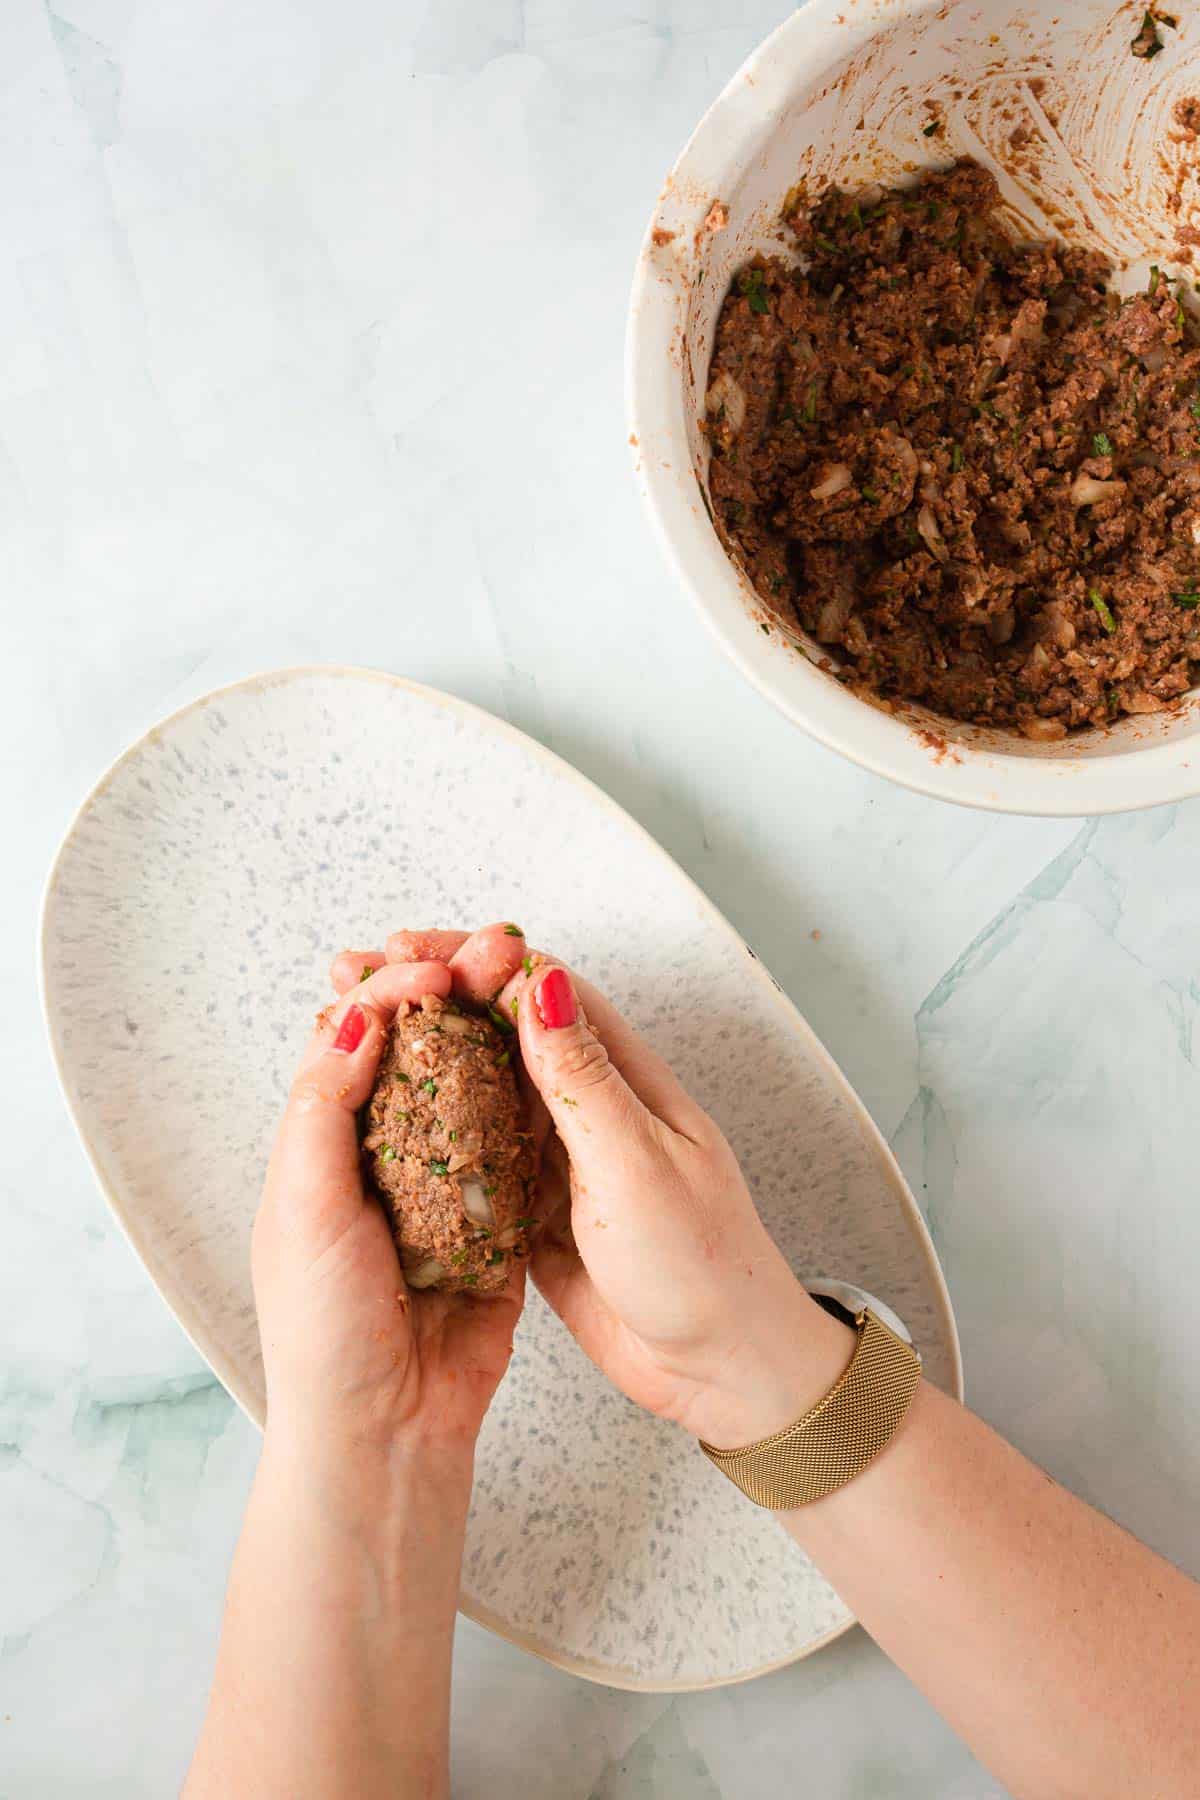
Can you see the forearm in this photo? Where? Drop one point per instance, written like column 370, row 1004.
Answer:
column 1061, row 1649
column 333, row 1674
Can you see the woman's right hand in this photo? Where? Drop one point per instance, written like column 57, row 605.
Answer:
column 651, row 1251
column 650, row 1248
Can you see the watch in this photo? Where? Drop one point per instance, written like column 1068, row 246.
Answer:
column 836, row 1439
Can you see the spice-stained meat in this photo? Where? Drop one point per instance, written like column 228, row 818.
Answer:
column 962, row 461
column 448, row 1150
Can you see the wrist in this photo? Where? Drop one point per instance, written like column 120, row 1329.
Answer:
column 790, row 1358
column 364, row 1487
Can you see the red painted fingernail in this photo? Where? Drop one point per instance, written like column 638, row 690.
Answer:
column 351, row 1030
column 554, row 1000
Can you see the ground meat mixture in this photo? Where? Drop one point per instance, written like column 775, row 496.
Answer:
column 448, row 1150
column 963, row 461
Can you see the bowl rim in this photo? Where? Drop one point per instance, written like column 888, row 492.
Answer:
column 713, row 160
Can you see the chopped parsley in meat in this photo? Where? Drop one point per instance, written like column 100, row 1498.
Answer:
column 1103, row 610
column 750, row 283
column 964, row 463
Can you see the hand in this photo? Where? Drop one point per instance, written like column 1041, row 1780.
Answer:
column 650, row 1248
column 333, row 1675
column 351, row 1356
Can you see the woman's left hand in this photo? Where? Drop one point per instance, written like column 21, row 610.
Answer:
column 333, row 1675
column 353, row 1358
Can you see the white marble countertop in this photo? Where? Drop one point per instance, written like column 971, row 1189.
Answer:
column 311, row 322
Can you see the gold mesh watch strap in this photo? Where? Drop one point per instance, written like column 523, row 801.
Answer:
column 842, row 1433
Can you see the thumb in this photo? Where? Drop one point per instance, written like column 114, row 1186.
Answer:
column 314, row 1187
column 585, row 1094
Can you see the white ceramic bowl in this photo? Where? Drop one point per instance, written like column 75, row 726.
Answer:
column 840, row 93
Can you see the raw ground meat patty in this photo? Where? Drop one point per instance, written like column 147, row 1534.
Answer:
column 448, row 1149
column 963, row 461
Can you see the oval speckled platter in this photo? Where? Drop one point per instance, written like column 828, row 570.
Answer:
column 193, row 910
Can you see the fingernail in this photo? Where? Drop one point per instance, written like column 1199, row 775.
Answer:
column 555, row 1001
column 351, row 1029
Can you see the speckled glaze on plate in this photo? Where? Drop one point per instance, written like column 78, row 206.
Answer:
column 189, row 921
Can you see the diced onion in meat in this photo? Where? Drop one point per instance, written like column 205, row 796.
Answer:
column 987, row 375
column 1055, row 628
column 1026, row 328
column 476, row 1204
column 836, row 481
column 1043, row 731
column 972, row 585
column 726, row 394
column 1087, row 489
column 457, row 1025
column 425, row 1274
column 906, row 457
column 1141, row 702
column 831, row 619
column 928, row 527
column 507, row 1238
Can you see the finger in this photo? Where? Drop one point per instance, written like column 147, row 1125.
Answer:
column 559, row 1276
column 552, row 1205
column 486, row 960
column 390, row 986
column 314, row 1185
column 314, row 1180
column 508, row 999
column 651, row 1079
column 565, row 1285
column 353, row 966
column 585, row 1093
column 481, row 961
column 424, row 946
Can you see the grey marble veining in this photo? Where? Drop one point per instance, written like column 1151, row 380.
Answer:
column 310, row 350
